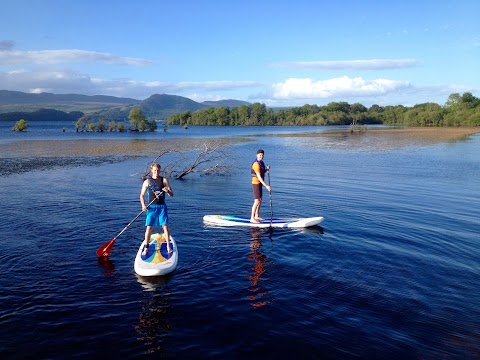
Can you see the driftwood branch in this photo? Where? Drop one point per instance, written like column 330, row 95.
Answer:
column 207, row 159
column 147, row 168
column 209, row 153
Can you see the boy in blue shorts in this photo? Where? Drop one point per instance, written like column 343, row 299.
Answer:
column 155, row 187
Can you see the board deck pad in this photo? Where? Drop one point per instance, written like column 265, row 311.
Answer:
column 232, row 220
column 157, row 261
column 157, row 250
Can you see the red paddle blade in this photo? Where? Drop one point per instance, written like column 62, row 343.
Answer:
column 106, row 248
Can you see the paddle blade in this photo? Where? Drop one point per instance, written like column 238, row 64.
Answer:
column 106, row 248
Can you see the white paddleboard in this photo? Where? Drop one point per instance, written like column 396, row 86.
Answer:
column 157, row 261
column 297, row 223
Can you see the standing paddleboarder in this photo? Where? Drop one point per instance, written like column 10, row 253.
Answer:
column 258, row 175
column 157, row 214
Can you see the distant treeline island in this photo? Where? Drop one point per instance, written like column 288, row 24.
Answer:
column 459, row 110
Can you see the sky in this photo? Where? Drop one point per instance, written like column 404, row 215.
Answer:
column 275, row 52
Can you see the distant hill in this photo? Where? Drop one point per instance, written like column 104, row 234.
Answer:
column 229, row 103
column 42, row 115
column 17, row 97
column 157, row 106
column 162, row 106
column 16, row 101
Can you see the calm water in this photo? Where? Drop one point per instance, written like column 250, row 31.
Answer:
column 393, row 273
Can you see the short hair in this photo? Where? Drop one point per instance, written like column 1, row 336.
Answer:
column 260, row 151
column 155, row 164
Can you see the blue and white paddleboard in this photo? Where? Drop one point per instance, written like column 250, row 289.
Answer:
column 157, row 261
column 297, row 223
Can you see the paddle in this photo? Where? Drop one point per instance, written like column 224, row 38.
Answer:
column 106, row 248
column 270, row 195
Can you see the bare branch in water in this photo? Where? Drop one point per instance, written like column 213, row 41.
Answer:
column 210, row 159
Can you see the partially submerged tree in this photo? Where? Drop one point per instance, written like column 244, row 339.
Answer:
column 208, row 161
column 209, row 158
column 139, row 121
column 81, row 123
column 20, row 125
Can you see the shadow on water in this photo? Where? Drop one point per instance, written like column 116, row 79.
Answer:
column 316, row 229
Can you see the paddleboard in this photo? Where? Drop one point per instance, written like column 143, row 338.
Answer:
column 157, row 261
column 296, row 223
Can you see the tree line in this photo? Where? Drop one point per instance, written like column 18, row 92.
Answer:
column 459, row 110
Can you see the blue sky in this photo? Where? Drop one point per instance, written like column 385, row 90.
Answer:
column 280, row 53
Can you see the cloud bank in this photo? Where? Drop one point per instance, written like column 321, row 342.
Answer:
column 8, row 56
column 342, row 86
column 372, row 64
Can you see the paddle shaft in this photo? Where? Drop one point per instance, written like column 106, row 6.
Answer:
column 136, row 217
column 270, row 195
column 106, row 248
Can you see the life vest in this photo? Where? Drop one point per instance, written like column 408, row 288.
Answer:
column 156, row 185
column 254, row 174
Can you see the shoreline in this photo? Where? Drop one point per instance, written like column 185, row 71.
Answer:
column 446, row 133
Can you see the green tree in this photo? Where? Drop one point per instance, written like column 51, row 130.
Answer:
column 20, row 125
column 453, row 101
column 470, row 100
column 101, row 126
column 81, row 123
column 136, row 118
column 222, row 115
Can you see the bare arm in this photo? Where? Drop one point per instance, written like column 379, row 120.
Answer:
column 166, row 187
column 259, row 177
column 142, row 195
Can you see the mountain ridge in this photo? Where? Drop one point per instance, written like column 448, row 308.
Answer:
column 157, row 106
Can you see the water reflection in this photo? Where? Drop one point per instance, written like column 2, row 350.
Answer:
column 106, row 264
column 257, row 273
column 154, row 319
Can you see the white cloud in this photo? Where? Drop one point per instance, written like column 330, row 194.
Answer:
column 372, row 64
column 343, row 86
column 8, row 56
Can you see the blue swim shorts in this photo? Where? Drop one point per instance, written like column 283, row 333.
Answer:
column 157, row 215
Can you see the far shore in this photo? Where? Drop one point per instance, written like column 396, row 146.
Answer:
column 439, row 133
column 435, row 133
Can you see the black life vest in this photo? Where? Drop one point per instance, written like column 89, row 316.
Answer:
column 156, row 185
column 262, row 168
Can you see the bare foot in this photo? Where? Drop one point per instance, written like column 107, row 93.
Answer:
column 255, row 221
column 169, row 250
column 145, row 250
column 259, row 219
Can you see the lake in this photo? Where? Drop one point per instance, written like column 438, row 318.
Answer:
column 392, row 273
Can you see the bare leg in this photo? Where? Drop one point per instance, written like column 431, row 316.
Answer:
column 166, row 232
column 255, row 208
column 148, row 233
column 257, row 213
